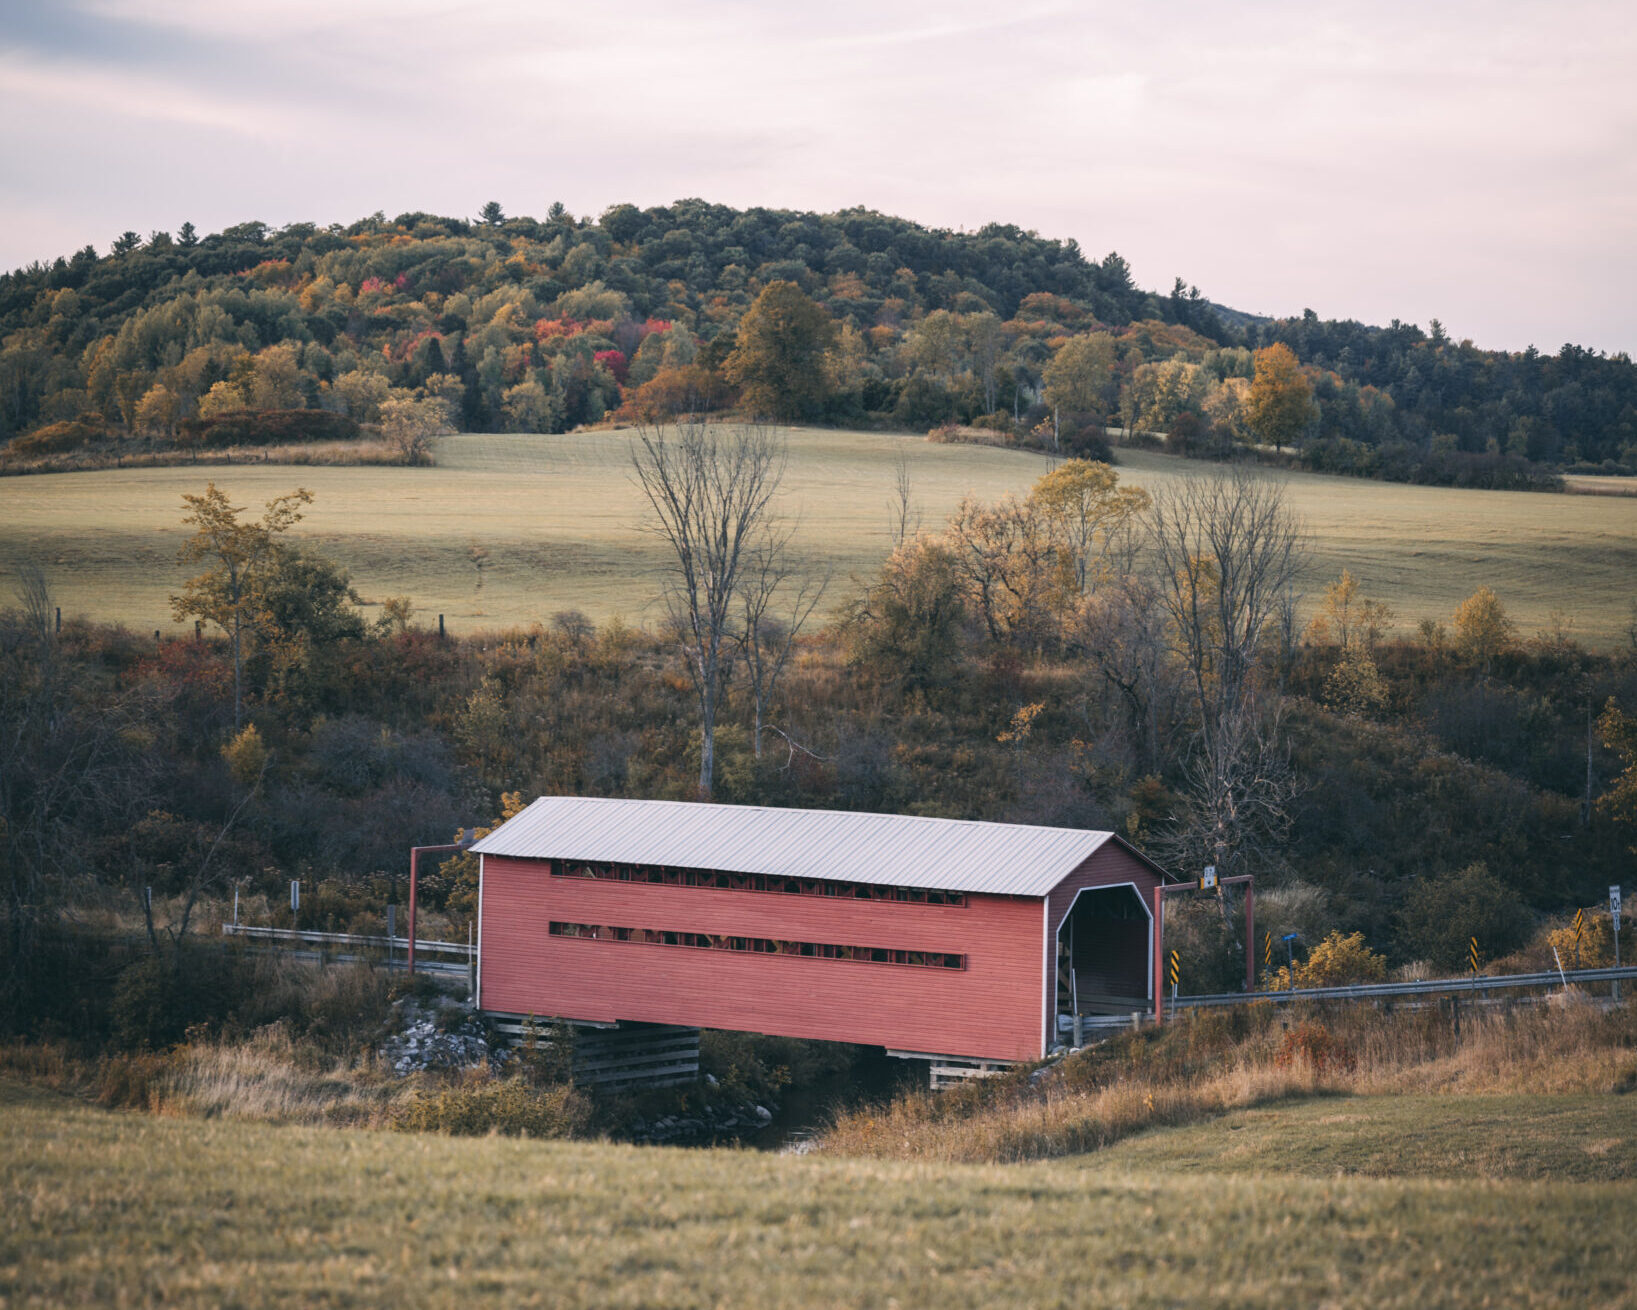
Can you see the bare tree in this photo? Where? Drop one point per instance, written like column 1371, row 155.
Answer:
column 1226, row 551
column 1122, row 628
column 906, row 519
column 711, row 493
column 769, row 630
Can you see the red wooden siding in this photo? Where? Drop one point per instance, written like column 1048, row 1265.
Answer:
column 1109, row 866
column 990, row 1009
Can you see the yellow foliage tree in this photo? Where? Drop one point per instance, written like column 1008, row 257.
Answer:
column 246, row 756
column 1348, row 619
column 156, row 411
column 1280, row 404
column 1483, row 628
column 1084, row 505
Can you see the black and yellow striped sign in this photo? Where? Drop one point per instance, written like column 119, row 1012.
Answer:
column 1267, row 950
column 1579, row 923
column 1176, row 968
column 1472, row 954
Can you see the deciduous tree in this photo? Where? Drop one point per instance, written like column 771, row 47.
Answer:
column 1085, row 506
column 1226, row 548
column 779, row 360
column 1483, row 629
column 1619, row 731
column 1078, row 376
column 236, row 555
column 711, row 493
column 1280, row 405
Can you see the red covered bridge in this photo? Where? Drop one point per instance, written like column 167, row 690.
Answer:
column 931, row 936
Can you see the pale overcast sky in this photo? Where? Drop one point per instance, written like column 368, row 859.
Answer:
column 1475, row 162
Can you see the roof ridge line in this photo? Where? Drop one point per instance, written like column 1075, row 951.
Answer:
column 794, row 809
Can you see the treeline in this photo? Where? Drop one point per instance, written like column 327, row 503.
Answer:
column 518, row 324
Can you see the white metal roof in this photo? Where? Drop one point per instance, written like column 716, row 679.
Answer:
column 896, row 850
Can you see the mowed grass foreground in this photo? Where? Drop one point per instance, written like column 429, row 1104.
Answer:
column 124, row 1209
column 560, row 521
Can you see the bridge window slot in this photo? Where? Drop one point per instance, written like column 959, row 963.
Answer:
column 754, row 882
column 760, row 945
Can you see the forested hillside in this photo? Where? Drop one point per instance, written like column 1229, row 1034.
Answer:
column 518, row 324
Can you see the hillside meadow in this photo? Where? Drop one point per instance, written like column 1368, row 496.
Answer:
column 557, row 522
column 107, row 1208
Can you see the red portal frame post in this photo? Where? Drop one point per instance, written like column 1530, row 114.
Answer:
column 1164, row 890
column 415, row 853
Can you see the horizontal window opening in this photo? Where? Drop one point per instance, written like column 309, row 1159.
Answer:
column 759, row 945
column 754, row 882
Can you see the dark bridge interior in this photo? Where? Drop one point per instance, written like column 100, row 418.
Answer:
column 1102, row 953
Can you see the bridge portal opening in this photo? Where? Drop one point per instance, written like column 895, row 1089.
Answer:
column 1104, row 953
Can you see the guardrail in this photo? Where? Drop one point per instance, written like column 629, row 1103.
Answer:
column 1480, row 984
column 1430, row 987
column 334, row 944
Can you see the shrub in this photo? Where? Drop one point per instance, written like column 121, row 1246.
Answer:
column 1087, row 441
column 481, row 1103
column 158, row 998
column 1312, row 1044
column 54, row 438
column 1441, row 915
column 134, row 1080
column 269, row 427
column 1339, row 960
column 1596, row 943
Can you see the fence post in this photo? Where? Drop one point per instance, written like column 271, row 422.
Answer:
column 1159, row 953
column 1250, row 936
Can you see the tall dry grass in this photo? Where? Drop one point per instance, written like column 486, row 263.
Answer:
column 268, row 1078
column 1208, row 1063
column 301, row 1049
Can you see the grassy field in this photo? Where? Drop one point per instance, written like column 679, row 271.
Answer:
column 101, row 1208
column 559, row 518
column 1563, row 1138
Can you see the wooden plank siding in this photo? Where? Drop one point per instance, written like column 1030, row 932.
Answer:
column 989, row 1009
column 1109, row 866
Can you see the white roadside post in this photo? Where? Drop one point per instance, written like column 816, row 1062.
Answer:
column 1614, row 916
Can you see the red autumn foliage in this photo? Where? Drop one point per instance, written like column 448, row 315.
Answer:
column 547, row 328
column 616, row 363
